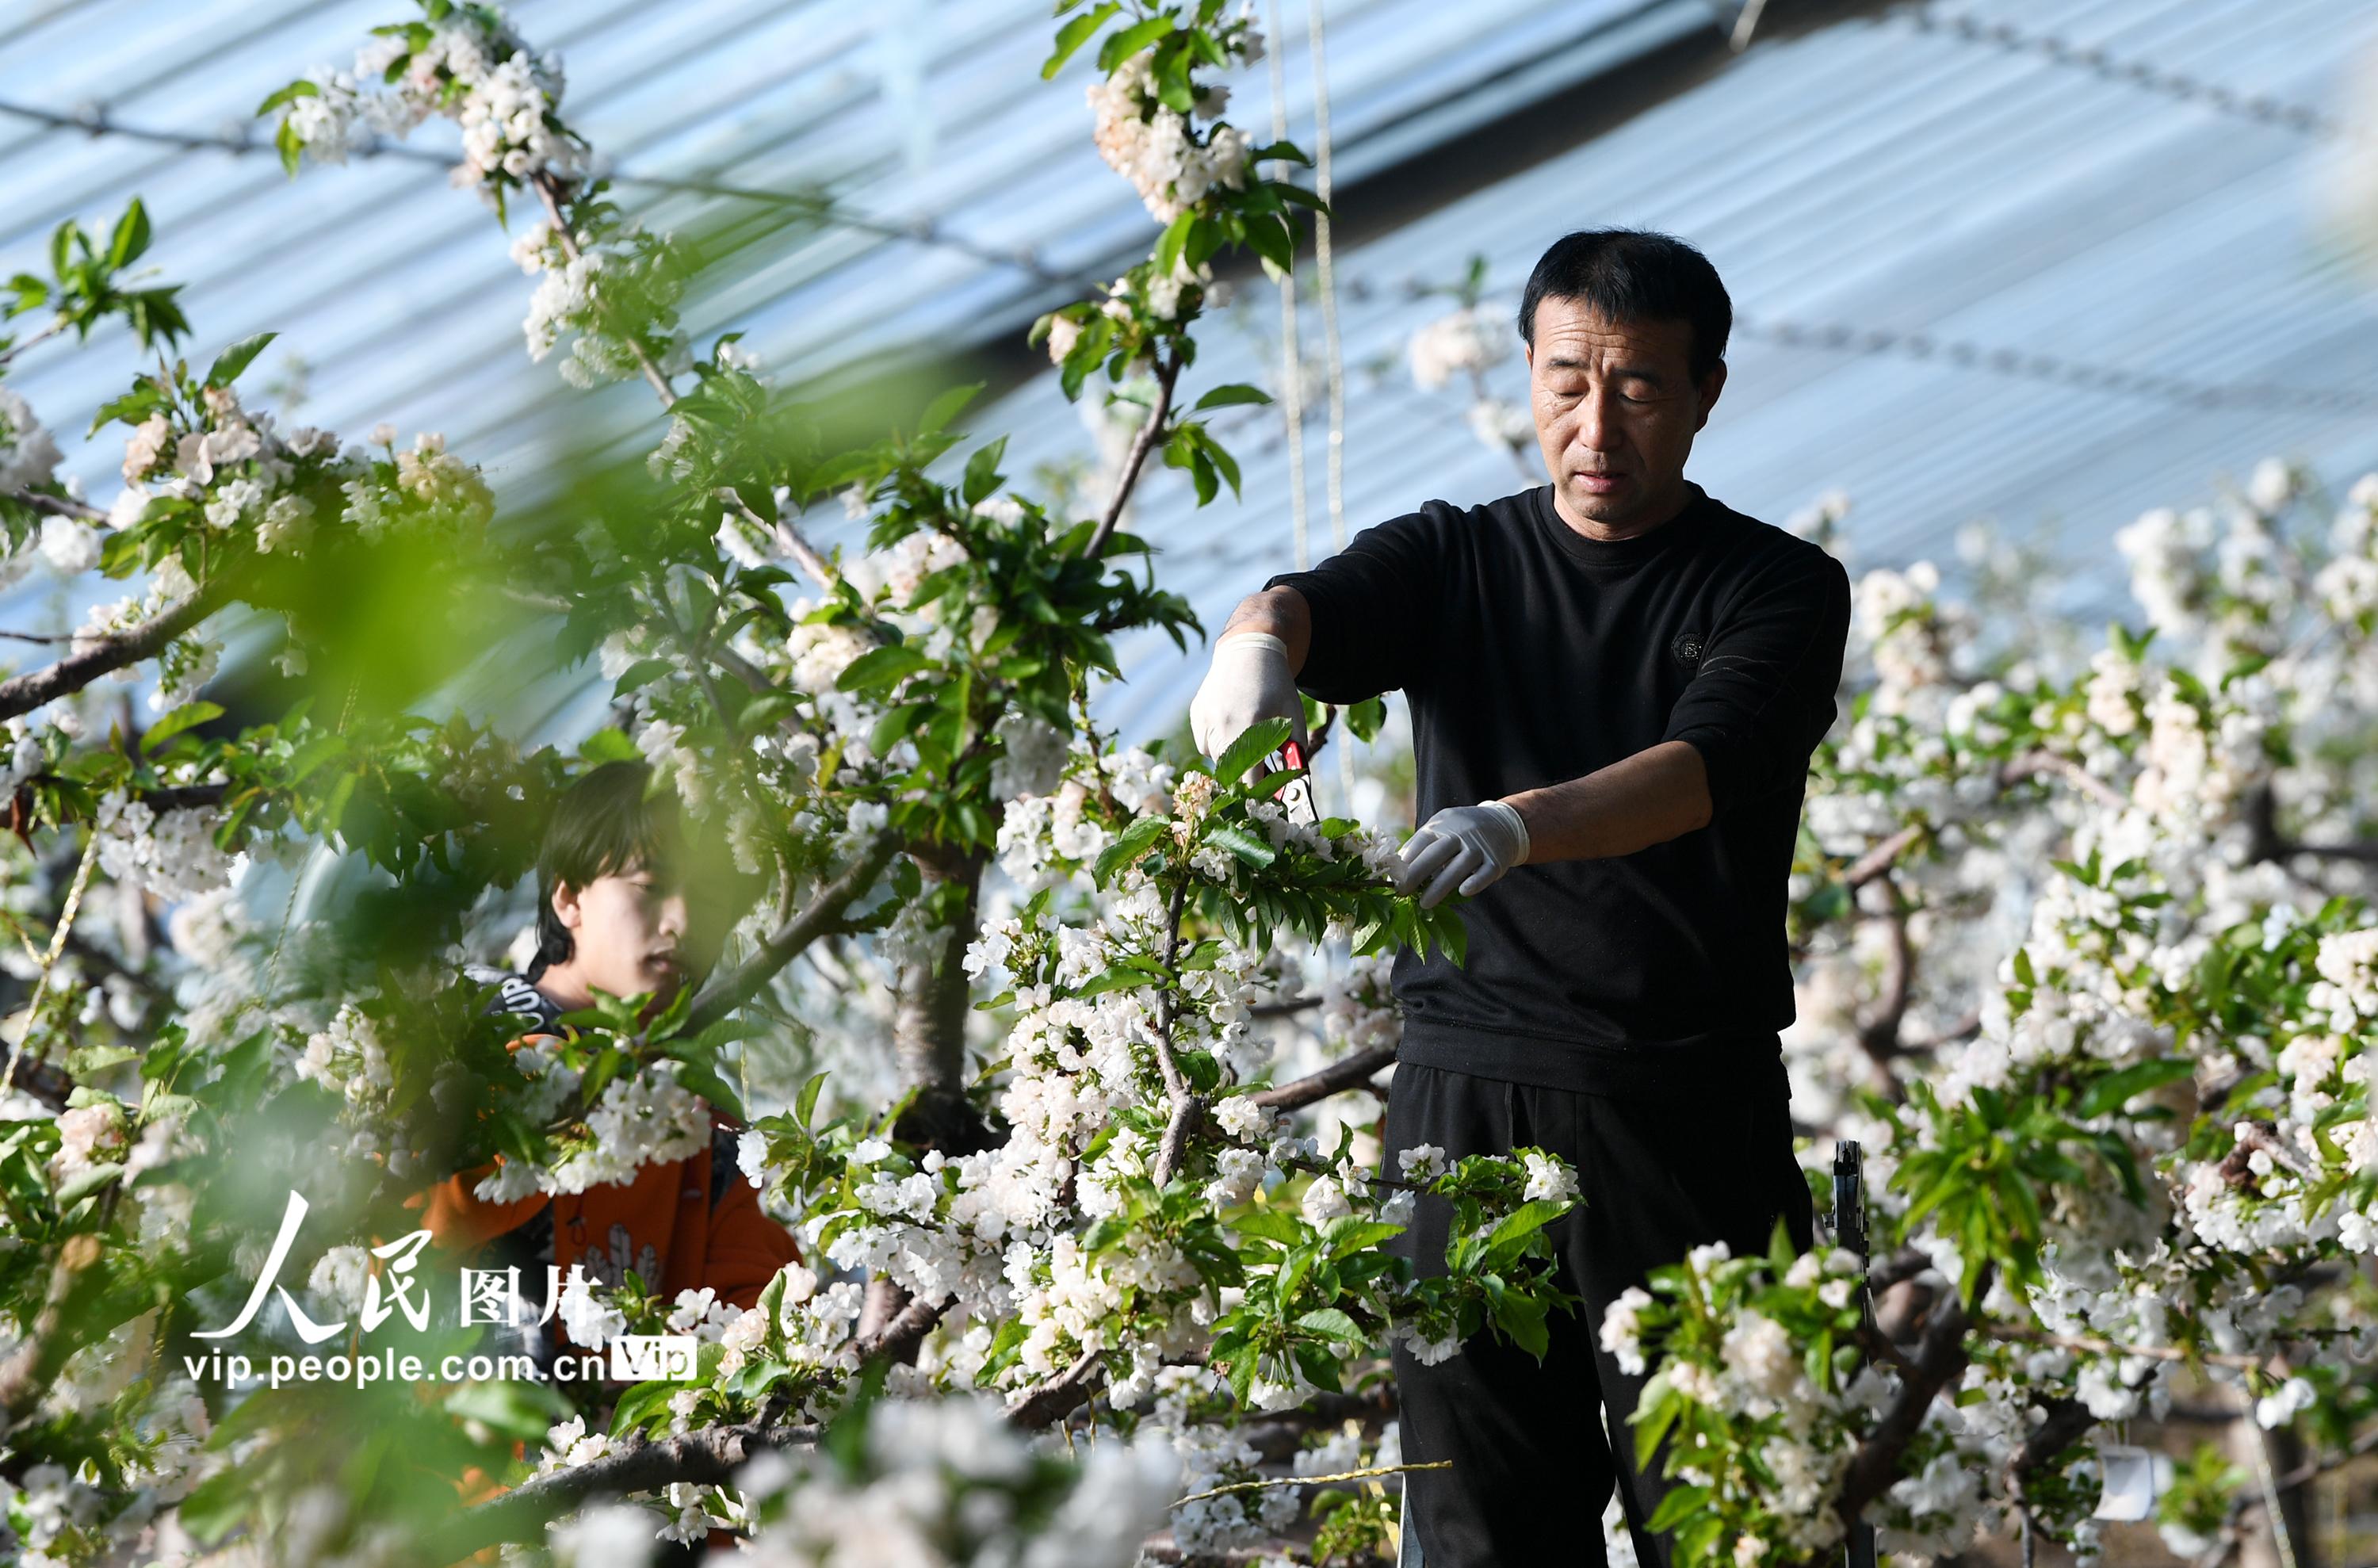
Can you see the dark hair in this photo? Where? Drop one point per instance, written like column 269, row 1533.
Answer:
column 607, row 822
column 1635, row 275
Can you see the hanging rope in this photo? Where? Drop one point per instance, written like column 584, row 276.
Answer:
column 1291, row 357
column 1325, row 278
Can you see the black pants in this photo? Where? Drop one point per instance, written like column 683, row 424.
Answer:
column 1536, row 1448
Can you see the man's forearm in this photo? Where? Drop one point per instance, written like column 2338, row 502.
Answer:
column 1659, row 793
column 1281, row 612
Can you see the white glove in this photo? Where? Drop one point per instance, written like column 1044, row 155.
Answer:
column 1248, row 683
column 1464, row 847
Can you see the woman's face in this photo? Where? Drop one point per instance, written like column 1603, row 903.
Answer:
column 628, row 931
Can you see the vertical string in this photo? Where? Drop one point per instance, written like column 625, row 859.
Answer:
column 1291, row 355
column 50, row 960
column 1325, row 277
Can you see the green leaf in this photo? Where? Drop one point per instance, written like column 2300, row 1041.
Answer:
column 1259, row 742
column 1168, row 245
column 881, row 668
column 181, row 719
column 944, row 408
column 1130, row 845
column 1254, row 851
column 1523, row 1221
column 233, row 360
column 1230, row 396
column 1122, row 46
column 131, row 235
column 2111, row 1093
column 289, row 94
column 807, row 1103
column 982, row 472
column 641, row 672
column 1073, row 34
column 1331, row 1323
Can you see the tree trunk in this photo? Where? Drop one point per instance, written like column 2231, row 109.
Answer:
column 929, row 1033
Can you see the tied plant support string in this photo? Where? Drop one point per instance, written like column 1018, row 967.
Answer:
column 1292, row 346
column 1325, row 278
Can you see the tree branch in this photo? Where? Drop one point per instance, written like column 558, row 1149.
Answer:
column 727, row 992
column 906, row 1330
column 57, row 506
column 1176, row 1083
column 707, row 1456
column 103, row 655
column 788, row 538
column 30, row 1369
column 1347, row 1072
column 2032, row 764
column 1052, row 1402
column 550, row 192
column 1939, row 1357
column 1167, row 372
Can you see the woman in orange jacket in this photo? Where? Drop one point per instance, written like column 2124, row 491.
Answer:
column 614, row 915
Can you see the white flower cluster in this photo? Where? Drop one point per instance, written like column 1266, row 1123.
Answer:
column 642, row 1118
column 482, row 76
column 948, row 1484
column 615, row 291
column 1214, row 1455
column 1465, row 342
column 172, row 854
column 1158, row 149
column 29, row 454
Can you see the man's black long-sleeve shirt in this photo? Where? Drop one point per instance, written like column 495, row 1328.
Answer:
column 1532, row 655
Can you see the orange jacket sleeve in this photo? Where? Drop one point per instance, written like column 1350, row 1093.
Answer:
column 456, row 1222
column 747, row 1248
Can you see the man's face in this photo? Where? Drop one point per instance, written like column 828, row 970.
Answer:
column 1617, row 410
column 629, row 931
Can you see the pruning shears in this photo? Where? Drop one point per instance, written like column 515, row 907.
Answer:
column 1291, row 753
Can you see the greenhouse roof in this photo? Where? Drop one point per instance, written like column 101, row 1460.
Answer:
column 1985, row 262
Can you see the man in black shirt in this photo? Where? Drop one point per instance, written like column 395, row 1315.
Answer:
column 1616, row 685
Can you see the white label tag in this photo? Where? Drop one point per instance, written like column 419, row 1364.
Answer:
column 2131, row 1483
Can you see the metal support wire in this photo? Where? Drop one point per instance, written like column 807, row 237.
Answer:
column 2080, row 375
column 96, row 121
column 2143, row 75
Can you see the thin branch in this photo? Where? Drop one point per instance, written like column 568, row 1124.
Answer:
column 2264, row 842
column 706, row 1456
column 906, row 1330
column 57, row 506
column 1878, row 860
column 1167, row 372
column 75, row 1281
column 1176, row 1083
column 1348, row 1072
column 1939, row 1357
column 103, row 655
column 789, row 539
column 550, row 192
column 1284, row 1006
column 1052, row 1402
column 1370, row 1474
column 2093, row 1344
column 2032, row 764
column 727, row 992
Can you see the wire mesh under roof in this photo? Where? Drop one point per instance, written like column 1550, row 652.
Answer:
column 928, row 118
column 1891, row 200
column 1898, row 180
